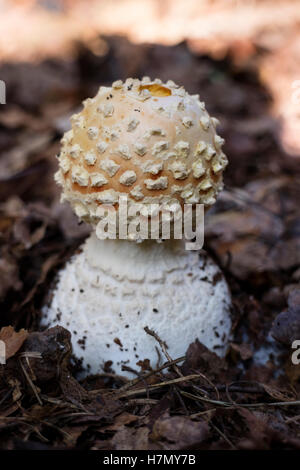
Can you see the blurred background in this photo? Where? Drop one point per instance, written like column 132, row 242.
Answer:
column 32, row 30
column 243, row 58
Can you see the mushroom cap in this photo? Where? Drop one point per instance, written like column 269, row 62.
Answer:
column 113, row 289
column 148, row 140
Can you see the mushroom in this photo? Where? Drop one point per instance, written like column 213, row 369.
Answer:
column 152, row 143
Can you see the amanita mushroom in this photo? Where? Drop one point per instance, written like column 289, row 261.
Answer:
column 154, row 143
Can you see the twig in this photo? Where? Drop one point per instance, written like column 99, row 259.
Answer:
column 9, row 392
column 141, row 401
column 200, row 413
column 57, row 428
column 156, row 386
column 56, row 401
column 36, row 355
column 140, row 376
column 239, row 405
column 24, row 421
column 133, row 382
column 292, row 419
column 163, row 346
column 34, row 389
column 223, row 435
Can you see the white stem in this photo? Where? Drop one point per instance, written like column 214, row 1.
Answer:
column 127, row 259
column 113, row 289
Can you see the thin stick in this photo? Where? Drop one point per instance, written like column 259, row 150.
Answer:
column 133, row 382
column 223, row 435
column 139, row 391
column 200, row 413
column 141, row 401
column 239, row 405
column 34, row 389
column 163, row 346
column 9, row 392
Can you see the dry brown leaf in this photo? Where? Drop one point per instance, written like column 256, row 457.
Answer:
column 179, row 432
column 131, row 439
column 122, row 420
column 13, row 340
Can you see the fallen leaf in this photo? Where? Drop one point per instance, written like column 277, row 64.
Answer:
column 13, row 340
column 179, row 432
column 131, row 439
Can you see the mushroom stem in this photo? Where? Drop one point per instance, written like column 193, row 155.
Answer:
column 113, row 289
column 124, row 259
